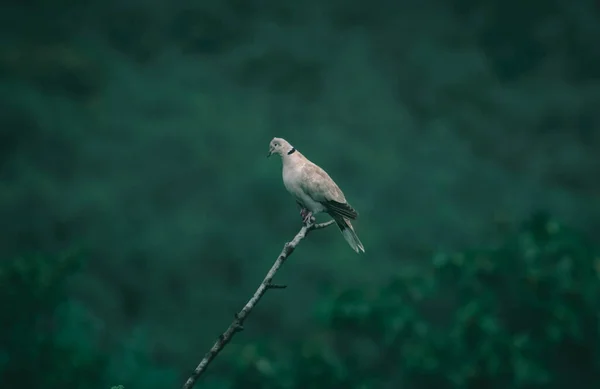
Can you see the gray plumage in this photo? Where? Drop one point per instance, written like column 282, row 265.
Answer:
column 314, row 190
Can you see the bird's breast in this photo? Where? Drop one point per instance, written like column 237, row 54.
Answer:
column 292, row 180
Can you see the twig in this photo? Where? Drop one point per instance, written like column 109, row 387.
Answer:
column 238, row 322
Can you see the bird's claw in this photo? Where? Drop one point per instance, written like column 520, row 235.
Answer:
column 303, row 212
column 307, row 217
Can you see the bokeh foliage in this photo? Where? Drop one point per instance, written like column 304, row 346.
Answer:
column 522, row 314
column 132, row 128
column 49, row 340
column 43, row 342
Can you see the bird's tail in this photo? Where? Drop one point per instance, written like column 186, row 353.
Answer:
column 348, row 232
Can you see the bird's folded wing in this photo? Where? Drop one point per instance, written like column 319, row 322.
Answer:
column 341, row 209
column 317, row 184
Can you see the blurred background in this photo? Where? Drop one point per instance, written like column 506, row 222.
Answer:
column 138, row 211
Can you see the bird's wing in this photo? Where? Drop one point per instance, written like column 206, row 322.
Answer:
column 317, row 184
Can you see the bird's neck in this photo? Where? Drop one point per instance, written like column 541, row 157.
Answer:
column 291, row 159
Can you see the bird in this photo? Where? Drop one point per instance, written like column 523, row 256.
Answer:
column 315, row 191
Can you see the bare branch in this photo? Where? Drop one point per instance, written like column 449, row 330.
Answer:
column 276, row 286
column 238, row 323
column 318, row 226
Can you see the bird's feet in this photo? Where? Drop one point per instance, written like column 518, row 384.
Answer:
column 307, row 216
column 303, row 212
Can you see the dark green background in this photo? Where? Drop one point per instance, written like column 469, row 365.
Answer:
column 134, row 133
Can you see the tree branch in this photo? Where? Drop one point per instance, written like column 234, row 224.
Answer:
column 238, row 323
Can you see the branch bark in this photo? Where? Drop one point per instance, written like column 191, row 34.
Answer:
column 238, row 322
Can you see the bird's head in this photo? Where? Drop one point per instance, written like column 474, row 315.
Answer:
column 280, row 146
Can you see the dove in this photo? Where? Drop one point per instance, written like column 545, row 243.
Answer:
column 315, row 192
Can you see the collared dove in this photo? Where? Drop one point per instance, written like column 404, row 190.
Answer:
column 314, row 190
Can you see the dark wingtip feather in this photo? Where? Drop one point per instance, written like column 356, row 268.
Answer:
column 341, row 209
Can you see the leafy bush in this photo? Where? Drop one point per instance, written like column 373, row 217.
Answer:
column 49, row 341
column 44, row 339
column 523, row 314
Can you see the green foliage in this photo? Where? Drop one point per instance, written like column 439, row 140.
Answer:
column 49, row 341
column 89, row 88
column 131, row 364
column 44, row 340
column 523, row 314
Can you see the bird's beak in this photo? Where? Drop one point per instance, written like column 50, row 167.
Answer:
column 270, row 153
